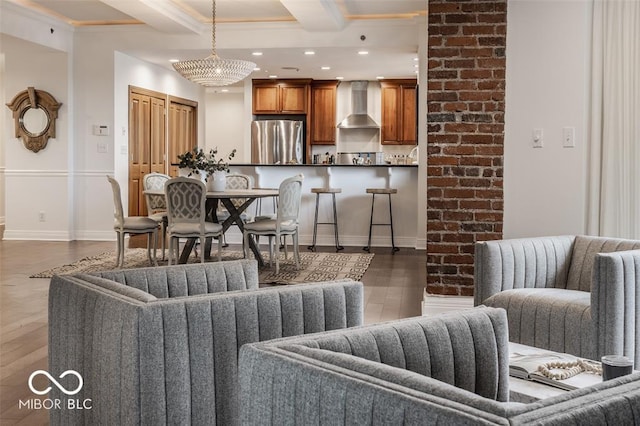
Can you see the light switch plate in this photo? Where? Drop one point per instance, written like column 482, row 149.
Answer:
column 537, row 138
column 569, row 137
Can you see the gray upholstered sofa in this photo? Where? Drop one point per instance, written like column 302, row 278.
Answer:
column 573, row 294
column 160, row 345
column 447, row 370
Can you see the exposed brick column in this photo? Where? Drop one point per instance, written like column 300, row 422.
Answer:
column 465, row 97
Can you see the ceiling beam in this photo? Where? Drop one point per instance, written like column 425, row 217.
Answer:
column 316, row 15
column 163, row 15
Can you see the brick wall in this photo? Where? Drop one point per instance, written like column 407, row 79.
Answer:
column 465, row 97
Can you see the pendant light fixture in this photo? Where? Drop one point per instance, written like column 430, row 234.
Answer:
column 214, row 70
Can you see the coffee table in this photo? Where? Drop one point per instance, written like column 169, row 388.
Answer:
column 522, row 390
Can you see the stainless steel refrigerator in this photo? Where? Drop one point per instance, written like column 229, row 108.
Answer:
column 277, row 142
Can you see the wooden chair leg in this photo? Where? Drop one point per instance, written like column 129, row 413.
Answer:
column 220, row 248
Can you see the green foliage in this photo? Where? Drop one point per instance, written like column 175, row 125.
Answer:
column 197, row 160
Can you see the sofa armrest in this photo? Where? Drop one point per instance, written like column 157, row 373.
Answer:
column 615, row 289
column 520, row 263
column 94, row 331
column 282, row 385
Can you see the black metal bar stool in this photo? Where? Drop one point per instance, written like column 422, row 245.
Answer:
column 381, row 191
column 333, row 192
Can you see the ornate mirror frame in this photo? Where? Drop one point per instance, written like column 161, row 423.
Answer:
column 34, row 99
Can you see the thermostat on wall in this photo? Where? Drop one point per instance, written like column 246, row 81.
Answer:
column 101, row 130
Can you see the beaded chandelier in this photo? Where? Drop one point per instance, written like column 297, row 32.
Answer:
column 214, row 70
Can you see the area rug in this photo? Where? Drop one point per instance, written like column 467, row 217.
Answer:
column 313, row 266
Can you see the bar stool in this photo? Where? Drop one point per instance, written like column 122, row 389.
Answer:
column 382, row 191
column 333, row 192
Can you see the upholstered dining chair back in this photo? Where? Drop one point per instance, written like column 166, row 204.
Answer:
column 289, row 196
column 131, row 225
column 118, row 212
column 238, row 181
column 186, row 208
column 285, row 222
column 157, row 203
column 155, row 181
column 186, row 199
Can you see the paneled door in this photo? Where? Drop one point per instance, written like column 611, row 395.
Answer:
column 183, row 129
column 147, row 142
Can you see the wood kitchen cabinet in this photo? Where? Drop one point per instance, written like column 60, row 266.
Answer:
column 280, row 96
column 323, row 112
column 399, row 112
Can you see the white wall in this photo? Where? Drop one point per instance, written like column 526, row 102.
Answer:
column 3, row 125
column 36, row 182
column 225, row 124
column 547, row 82
column 102, row 76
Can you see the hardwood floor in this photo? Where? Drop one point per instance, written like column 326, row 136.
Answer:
column 393, row 289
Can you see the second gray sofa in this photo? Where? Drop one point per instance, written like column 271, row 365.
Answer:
column 445, row 370
column 160, row 345
column 572, row 294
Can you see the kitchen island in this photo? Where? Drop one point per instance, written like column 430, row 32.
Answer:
column 353, row 204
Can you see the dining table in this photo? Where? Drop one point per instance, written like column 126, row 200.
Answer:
column 227, row 198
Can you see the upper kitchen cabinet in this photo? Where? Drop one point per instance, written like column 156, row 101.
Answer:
column 323, row 112
column 399, row 112
column 280, row 96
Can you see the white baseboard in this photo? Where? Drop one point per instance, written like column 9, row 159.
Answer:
column 96, row 235
column 434, row 304
column 37, row 235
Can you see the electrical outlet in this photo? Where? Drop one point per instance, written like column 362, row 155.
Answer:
column 42, row 217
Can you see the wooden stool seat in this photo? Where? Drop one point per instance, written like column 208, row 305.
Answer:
column 326, row 190
column 381, row 191
column 333, row 192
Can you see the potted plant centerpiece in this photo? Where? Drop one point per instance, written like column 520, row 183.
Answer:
column 217, row 170
column 206, row 167
column 193, row 164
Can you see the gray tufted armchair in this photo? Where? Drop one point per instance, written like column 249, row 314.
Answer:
column 573, row 294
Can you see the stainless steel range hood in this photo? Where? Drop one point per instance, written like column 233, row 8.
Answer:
column 358, row 119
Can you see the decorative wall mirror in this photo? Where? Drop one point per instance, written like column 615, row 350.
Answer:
column 34, row 113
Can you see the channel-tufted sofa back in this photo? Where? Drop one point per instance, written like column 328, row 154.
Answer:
column 154, row 361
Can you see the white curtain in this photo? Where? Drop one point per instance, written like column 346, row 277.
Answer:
column 614, row 185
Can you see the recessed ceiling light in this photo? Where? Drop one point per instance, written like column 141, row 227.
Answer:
column 273, row 76
column 325, row 68
column 380, row 77
column 256, row 69
column 416, row 66
column 363, row 52
column 309, row 52
column 173, row 61
column 224, row 90
column 257, row 53
column 415, row 59
column 340, row 78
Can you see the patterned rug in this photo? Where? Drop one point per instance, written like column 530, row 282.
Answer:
column 313, row 266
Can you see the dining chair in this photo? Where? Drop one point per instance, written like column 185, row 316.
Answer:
column 131, row 225
column 235, row 181
column 186, row 208
column 157, row 204
column 285, row 223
